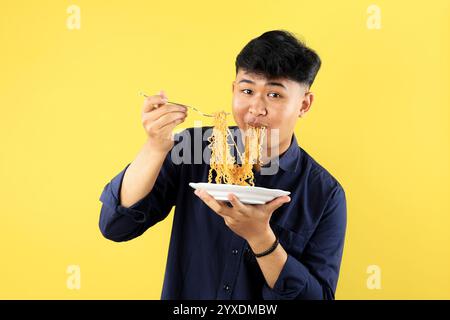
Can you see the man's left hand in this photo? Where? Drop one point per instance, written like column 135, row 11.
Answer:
column 249, row 221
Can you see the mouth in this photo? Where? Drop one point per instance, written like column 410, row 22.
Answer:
column 256, row 124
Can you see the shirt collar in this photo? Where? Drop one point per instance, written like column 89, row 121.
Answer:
column 288, row 160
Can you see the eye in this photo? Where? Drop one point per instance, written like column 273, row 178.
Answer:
column 246, row 90
column 274, row 93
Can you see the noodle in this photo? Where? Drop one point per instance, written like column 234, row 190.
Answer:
column 224, row 164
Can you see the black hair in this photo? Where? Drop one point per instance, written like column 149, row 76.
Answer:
column 279, row 54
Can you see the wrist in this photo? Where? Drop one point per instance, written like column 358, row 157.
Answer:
column 263, row 242
column 154, row 148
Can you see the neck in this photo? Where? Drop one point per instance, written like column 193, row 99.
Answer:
column 272, row 152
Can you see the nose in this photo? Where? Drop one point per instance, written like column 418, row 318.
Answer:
column 257, row 108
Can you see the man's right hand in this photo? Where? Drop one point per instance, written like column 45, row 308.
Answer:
column 159, row 119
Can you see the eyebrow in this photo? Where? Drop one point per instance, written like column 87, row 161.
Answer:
column 278, row 84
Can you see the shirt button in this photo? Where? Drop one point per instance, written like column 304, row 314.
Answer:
column 235, row 251
column 226, row 287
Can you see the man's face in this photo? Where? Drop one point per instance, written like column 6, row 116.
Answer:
column 274, row 104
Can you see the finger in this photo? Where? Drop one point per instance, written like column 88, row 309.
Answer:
column 168, row 118
column 153, row 102
column 161, row 111
column 209, row 200
column 167, row 108
column 277, row 202
column 168, row 128
column 162, row 93
column 237, row 204
column 212, row 203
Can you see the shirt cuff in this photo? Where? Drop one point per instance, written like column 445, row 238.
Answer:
column 290, row 283
column 111, row 198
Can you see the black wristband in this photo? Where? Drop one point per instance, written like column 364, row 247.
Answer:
column 268, row 251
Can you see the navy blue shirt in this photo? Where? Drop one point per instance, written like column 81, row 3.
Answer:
column 207, row 260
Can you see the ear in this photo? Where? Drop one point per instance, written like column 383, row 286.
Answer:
column 232, row 86
column 306, row 104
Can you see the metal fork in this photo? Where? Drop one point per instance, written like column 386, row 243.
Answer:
column 183, row 105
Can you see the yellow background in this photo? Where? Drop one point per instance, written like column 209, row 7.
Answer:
column 70, row 121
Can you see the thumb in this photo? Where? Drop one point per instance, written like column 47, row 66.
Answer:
column 278, row 202
column 162, row 94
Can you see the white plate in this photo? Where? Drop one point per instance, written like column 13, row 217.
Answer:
column 246, row 194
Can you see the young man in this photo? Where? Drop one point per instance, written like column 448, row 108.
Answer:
column 289, row 248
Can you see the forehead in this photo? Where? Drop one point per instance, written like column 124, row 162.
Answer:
column 262, row 79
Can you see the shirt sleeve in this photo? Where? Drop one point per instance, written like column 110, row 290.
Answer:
column 119, row 223
column 313, row 274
